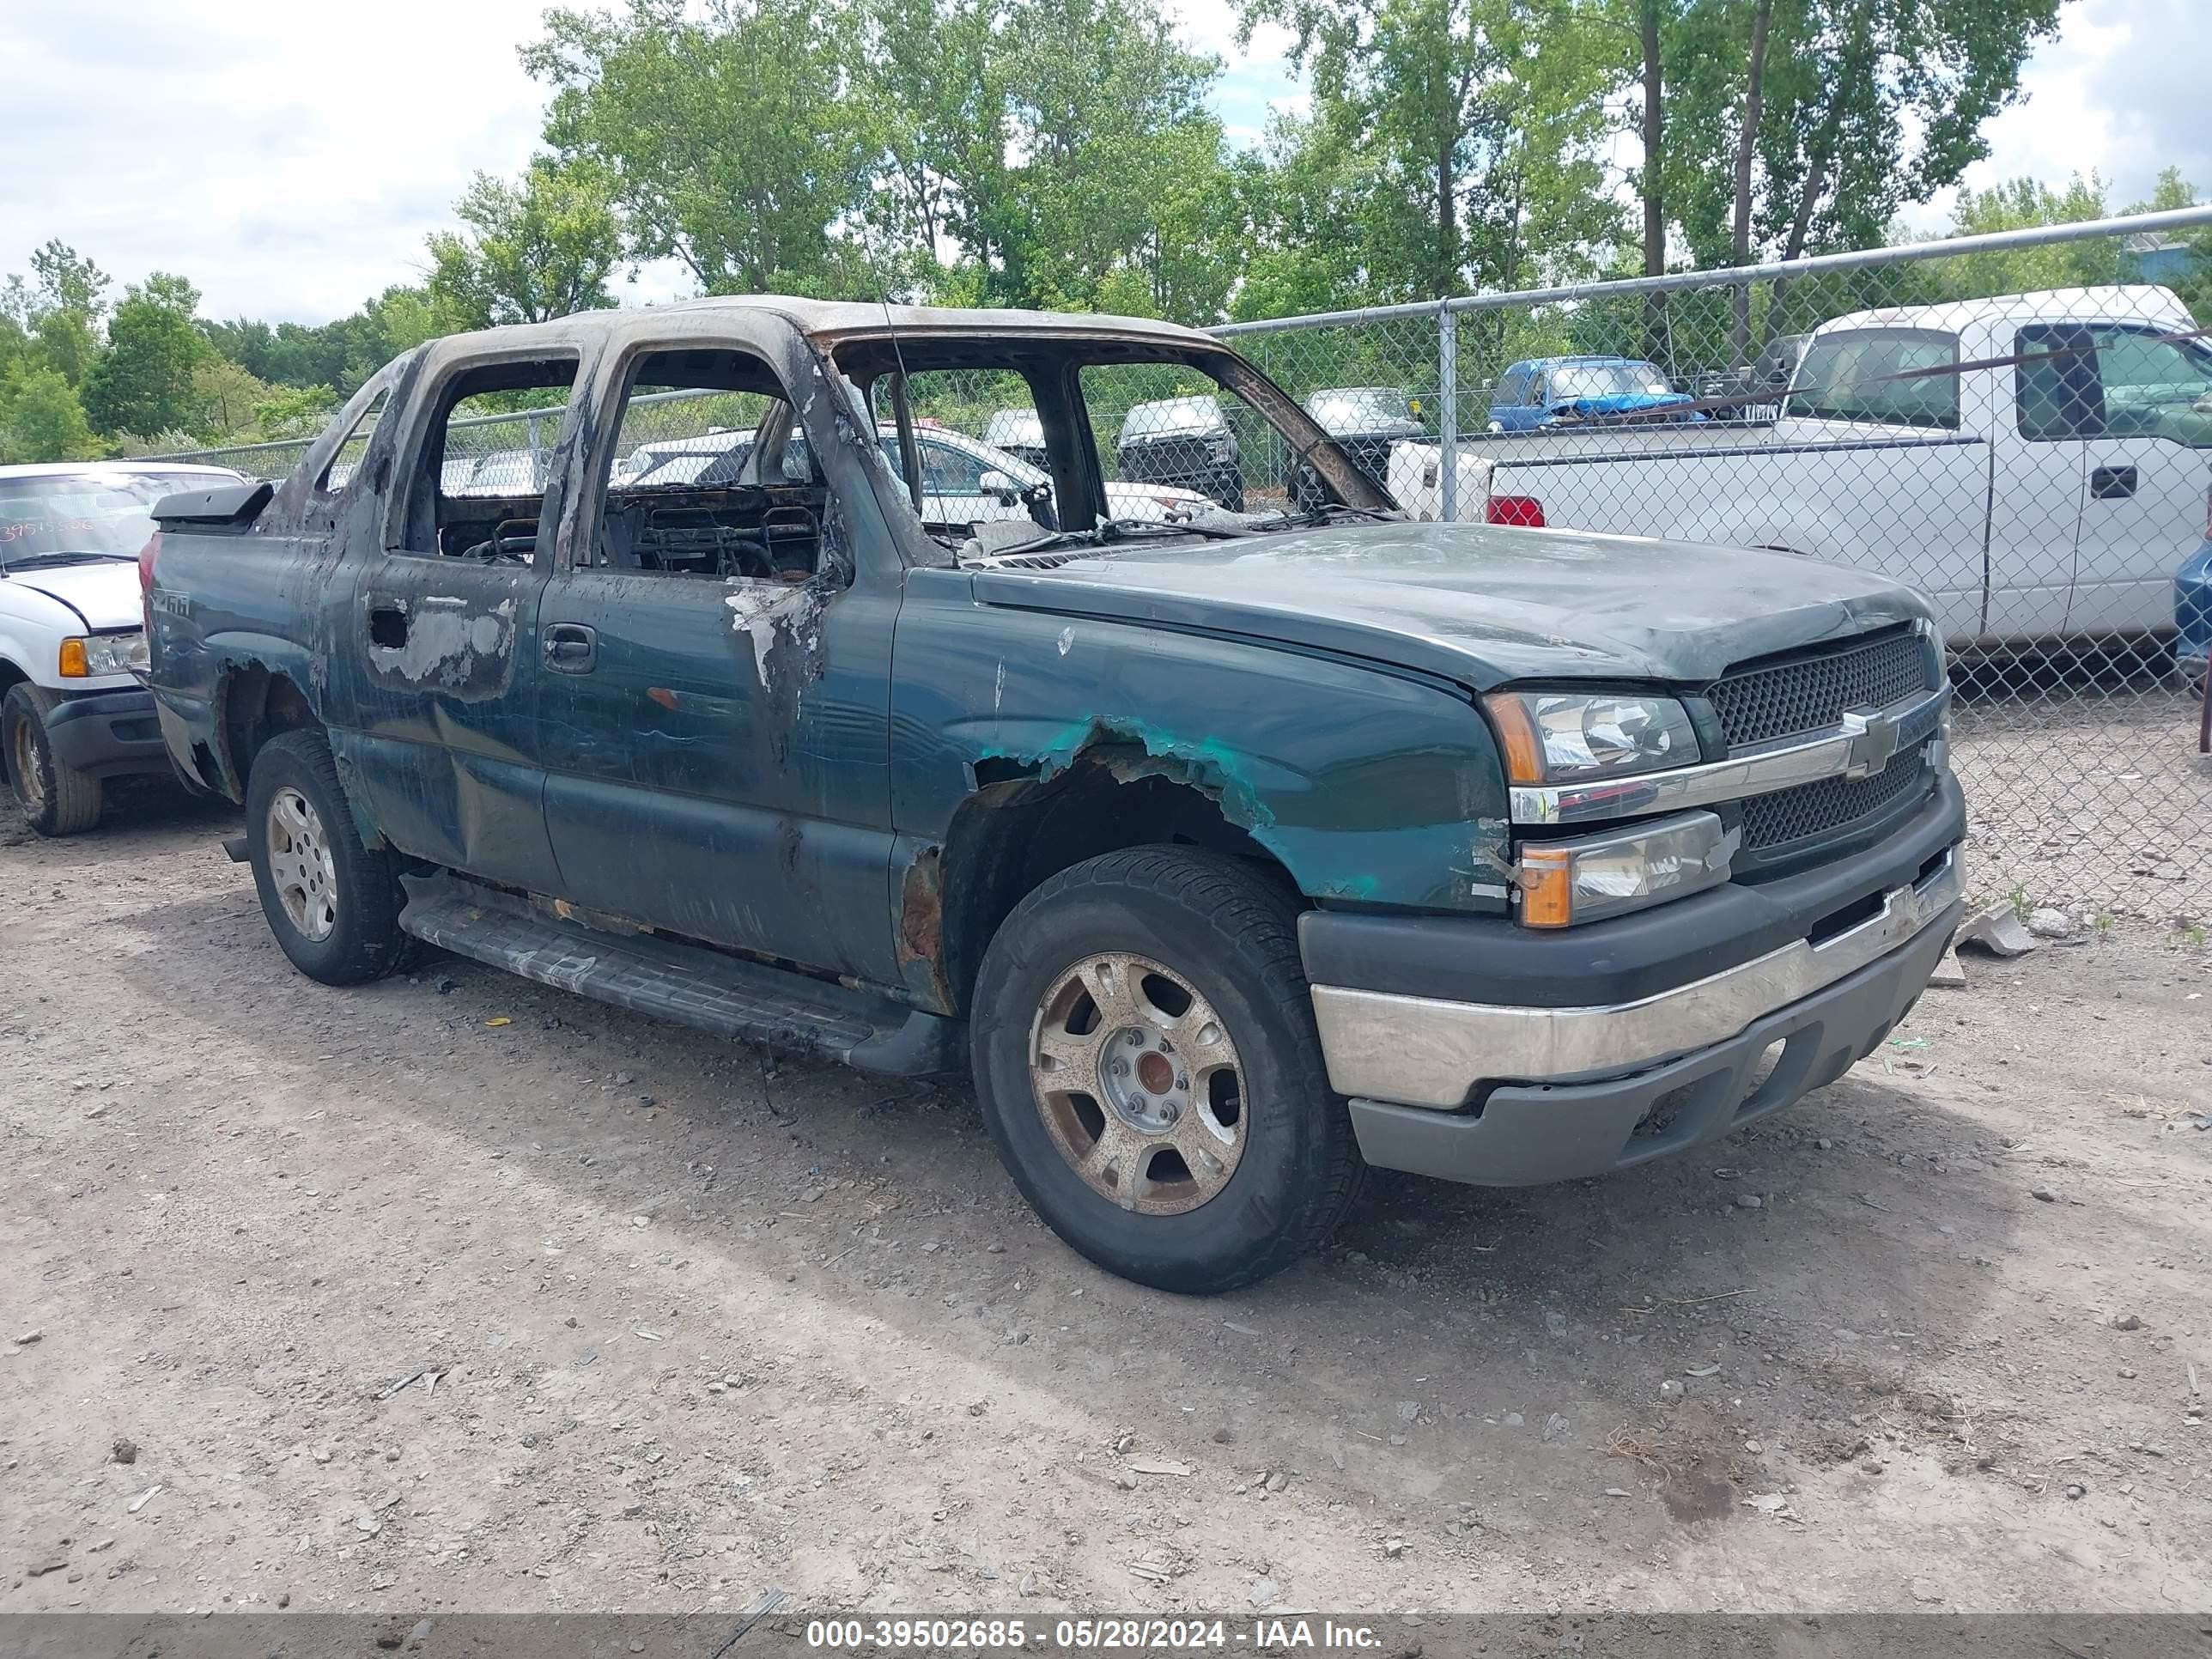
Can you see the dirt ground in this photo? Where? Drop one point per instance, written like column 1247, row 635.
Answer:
column 703, row 1324
column 2094, row 801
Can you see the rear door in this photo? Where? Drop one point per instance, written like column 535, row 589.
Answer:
column 443, row 631
column 2145, row 473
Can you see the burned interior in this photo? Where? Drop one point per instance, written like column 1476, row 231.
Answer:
column 745, row 504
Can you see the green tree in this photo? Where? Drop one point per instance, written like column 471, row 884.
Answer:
column 1470, row 133
column 531, row 251
column 143, row 382
column 224, row 398
column 59, row 309
column 1031, row 152
column 41, row 418
column 336, row 357
column 1120, row 164
column 1866, row 106
column 68, row 343
column 295, row 411
column 1312, row 236
column 61, row 280
column 732, row 134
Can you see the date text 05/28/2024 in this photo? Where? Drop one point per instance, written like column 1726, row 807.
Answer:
column 1165, row 1634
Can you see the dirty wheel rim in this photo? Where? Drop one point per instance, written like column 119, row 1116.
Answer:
column 23, row 764
column 300, row 866
column 1139, row 1084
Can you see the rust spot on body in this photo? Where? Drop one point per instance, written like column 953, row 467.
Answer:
column 663, row 695
column 921, row 919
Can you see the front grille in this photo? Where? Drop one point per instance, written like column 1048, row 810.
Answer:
column 1810, row 693
column 1829, row 806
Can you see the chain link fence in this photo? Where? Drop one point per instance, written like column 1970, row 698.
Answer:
column 2019, row 426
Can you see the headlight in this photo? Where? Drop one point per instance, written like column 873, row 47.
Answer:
column 1556, row 738
column 102, row 653
column 1566, row 882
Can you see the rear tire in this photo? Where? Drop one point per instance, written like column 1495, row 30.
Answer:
column 332, row 904
column 1182, row 1133
column 54, row 800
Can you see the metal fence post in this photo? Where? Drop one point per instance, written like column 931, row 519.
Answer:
column 1448, row 416
column 537, row 453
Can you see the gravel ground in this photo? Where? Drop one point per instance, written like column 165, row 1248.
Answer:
column 686, row 1323
column 2096, row 802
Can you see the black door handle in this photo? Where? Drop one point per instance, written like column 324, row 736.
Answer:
column 2112, row 483
column 571, row 648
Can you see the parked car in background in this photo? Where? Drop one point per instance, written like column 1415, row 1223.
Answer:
column 2192, row 609
column 1755, row 392
column 1020, row 432
column 1365, row 421
column 1231, row 854
column 502, row 471
column 1184, row 441
column 2037, row 464
column 72, row 632
column 964, row 481
column 1549, row 391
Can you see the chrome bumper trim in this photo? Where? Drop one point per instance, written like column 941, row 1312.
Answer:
column 1857, row 746
column 1421, row 1051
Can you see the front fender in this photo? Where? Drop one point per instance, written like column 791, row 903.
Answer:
column 1369, row 784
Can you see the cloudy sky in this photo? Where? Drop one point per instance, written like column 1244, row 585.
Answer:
column 290, row 159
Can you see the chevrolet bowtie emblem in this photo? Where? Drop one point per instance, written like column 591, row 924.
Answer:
column 1874, row 742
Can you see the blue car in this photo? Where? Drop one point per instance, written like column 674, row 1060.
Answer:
column 1548, row 392
column 2192, row 606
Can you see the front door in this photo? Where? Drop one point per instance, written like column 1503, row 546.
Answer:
column 2034, row 491
column 713, row 691
column 2146, row 466
column 442, row 632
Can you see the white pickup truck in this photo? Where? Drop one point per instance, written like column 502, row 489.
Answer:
column 72, row 628
column 2038, row 465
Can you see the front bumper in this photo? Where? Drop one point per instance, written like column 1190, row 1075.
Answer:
column 1543, row 1087
column 1526, row 1135
column 108, row 734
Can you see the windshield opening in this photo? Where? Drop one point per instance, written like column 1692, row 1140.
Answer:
column 95, row 516
column 1358, row 407
column 1020, row 440
column 1574, row 380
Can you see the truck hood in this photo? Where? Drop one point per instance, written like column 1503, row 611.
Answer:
column 105, row 595
column 1477, row 604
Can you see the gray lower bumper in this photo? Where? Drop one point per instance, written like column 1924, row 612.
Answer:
column 107, row 735
column 1527, row 1134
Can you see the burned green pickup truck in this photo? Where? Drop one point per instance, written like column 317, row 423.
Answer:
column 1235, row 852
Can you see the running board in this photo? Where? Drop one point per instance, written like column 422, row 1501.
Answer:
column 728, row 995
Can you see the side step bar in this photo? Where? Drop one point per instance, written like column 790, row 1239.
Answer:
column 728, row 995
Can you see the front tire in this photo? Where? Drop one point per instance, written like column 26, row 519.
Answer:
column 53, row 798
column 1146, row 1055
column 332, row 904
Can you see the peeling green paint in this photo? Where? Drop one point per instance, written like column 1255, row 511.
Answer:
column 1207, row 763
column 1440, row 864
